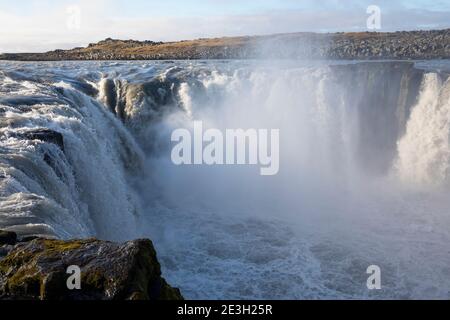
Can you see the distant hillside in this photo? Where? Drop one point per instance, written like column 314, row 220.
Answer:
column 363, row 45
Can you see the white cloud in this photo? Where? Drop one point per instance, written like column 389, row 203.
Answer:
column 47, row 29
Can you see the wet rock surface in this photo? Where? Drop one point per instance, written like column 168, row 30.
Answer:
column 46, row 135
column 7, row 238
column 36, row 269
column 43, row 135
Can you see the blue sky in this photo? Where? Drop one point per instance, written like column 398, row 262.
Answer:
column 38, row 25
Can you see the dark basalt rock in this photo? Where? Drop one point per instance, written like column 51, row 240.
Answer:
column 36, row 270
column 7, row 238
column 28, row 238
column 46, row 135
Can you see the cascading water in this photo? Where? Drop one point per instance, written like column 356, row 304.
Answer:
column 354, row 138
column 77, row 189
column 424, row 151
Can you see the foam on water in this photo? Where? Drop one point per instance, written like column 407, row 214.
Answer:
column 79, row 191
column 354, row 138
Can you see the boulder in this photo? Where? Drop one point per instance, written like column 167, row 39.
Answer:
column 37, row 270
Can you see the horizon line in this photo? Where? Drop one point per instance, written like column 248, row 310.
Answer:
column 230, row 37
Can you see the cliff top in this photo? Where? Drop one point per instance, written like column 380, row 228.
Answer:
column 431, row 44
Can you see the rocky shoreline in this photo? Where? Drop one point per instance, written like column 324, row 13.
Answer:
column 434, row 44
column 34, row 268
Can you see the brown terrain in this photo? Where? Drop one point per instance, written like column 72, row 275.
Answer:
column 433, row 44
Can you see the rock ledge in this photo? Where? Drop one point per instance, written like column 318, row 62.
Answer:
column 36, row 269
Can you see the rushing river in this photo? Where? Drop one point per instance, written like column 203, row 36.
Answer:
column 364, row 171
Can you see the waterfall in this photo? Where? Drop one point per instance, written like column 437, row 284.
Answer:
column 364, row 154
column 75, row 188
column 424, row 151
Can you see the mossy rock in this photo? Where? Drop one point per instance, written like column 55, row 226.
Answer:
column 109, row 271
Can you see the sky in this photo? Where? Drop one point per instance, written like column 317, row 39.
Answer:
column 41, row 25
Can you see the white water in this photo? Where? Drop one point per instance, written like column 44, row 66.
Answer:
column 363, row 176
column 424, row 151
column 85, row 191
